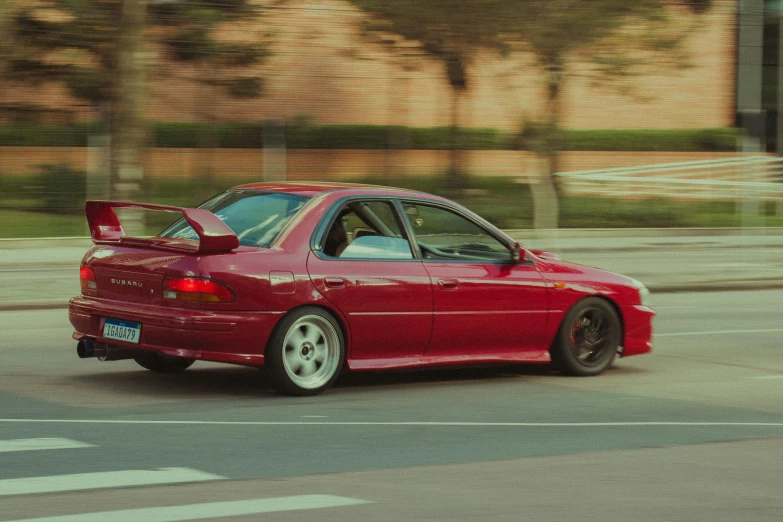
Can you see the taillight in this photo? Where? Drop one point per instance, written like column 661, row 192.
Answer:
column 195, row 290
column 87, row 278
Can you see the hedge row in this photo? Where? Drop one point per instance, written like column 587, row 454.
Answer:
column 47, row 135
column 721, row 139
column 251, row 135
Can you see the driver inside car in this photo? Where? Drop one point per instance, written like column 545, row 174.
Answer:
column 337, row 239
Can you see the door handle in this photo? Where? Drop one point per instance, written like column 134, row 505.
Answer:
column 448, row 284
column 334, row 282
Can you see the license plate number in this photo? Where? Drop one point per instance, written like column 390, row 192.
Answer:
column 122, row 330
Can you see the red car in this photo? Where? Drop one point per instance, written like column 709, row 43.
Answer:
column 308, row 278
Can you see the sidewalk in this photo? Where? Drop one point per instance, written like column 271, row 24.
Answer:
column 43, row 273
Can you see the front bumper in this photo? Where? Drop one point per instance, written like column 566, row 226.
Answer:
column 220, row 336
column 638, row 320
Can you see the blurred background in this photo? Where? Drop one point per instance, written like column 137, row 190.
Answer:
column 534, row 113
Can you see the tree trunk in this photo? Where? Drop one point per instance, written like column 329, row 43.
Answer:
column 128, row 132
column 546, row 193
column 453, row 182
column 457, row 76
column 554, row 107
column 207, row 112
column 546, row 207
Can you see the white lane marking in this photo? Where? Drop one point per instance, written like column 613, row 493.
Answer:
column 702, row 307
column 766, row 377
column 676, row 307
column 41, row 444
column 718, row 332
column 102, row 480
column 396, row 423
column 210, row 509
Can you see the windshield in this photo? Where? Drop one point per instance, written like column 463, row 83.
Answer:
column 255, row 217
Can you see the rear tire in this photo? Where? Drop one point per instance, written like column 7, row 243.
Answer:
column 587, row 341
column 158, row 363
column 306, row 352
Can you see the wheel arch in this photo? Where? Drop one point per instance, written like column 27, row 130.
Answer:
column 619, row 313
column 333, row 313
column 611, row 302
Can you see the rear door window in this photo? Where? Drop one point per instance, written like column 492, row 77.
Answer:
column 255, row 217
column 367, row 230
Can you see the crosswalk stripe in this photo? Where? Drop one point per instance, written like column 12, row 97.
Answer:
column 41, row 444
column 209, row 509
column 102, row 480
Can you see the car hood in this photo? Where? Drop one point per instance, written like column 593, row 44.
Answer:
column 588, row 280
column 563, row 268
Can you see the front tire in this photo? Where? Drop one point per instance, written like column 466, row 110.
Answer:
column 158, row 363
column 306, row 352
column 587, row 341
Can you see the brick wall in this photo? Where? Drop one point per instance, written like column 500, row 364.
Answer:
column 320, row 67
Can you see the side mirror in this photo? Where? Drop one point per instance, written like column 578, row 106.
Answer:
column 517, row 253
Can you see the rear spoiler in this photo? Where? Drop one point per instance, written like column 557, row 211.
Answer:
column 213, row 234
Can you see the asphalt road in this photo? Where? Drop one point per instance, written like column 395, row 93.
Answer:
column 693, row 431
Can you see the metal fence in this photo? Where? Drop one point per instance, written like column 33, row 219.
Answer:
column 746, row 177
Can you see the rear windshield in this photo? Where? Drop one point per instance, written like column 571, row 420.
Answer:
column 255, row 217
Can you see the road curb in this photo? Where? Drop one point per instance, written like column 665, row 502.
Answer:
column 24, row 307
column 572, row 233
column 36, row 242
column 724, row 286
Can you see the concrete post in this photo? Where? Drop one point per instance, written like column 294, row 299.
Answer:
column 779, row 14
column 274, row 151
column 98, row 167
column 749, row 92
column 128, row 133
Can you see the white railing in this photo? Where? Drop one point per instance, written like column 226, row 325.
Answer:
column 754, row 177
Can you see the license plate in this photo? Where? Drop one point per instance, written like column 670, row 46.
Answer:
column 122, row 330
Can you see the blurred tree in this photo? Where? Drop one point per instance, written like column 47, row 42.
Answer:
column 191, row 39
column 619, row 38
column 218, row 66
column 97, row 49
column 450, row 31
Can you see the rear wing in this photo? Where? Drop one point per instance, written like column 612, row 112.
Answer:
column 213, row 234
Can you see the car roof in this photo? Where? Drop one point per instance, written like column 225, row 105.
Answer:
column 314, row 188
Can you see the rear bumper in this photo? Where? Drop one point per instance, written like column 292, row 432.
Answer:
column 638, row 322
column 231, row 337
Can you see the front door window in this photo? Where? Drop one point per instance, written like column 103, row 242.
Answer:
column 443, row 234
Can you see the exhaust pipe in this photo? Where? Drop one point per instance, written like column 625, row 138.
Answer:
column 87, row 348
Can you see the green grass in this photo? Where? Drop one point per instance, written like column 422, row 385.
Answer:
column 30, row 224
column 20, row 223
